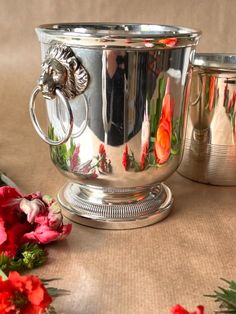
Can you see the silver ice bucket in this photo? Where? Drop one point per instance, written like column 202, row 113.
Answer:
column 116, row 98
column 210, row 146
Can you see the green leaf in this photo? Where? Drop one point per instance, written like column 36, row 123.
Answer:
column 28, row 257
column 226, row 297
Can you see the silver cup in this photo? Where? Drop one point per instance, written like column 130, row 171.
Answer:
column 116, row 104
column 210, row 147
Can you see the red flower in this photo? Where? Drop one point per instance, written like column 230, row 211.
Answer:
column 13, row 223
column 162, row 144
column 44, row 234
column 178, row 309
column 21, row 217
column 125, row 159
column 23, row 294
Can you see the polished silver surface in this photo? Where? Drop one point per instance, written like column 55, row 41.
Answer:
column 135, row 112
column 210, row 149
column 80, row 207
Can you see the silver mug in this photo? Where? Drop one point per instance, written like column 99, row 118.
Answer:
column 210, row 146
column 116, row 98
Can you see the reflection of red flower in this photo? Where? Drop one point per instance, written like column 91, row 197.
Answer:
column 162, row 144
column 102, row 150
column 143, row 156
column 170, row 42
column 86, row 170
column 104, row 165
column 75, row 158
column 211, row 92
column 125, row 159
column 178, row 309
column 102, row 158
column 23, row 294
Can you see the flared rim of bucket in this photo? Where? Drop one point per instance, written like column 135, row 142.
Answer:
column 123, row 35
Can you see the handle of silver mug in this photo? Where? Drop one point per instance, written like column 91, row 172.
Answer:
column 35, row 121
column 193, row 103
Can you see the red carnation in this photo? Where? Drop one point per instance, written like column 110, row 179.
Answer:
column 29, row 218
column 23, row 294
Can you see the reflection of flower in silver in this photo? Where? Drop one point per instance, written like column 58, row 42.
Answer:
column 86, row 170
column 103, row 164
column 230, row 108
column 74, row 162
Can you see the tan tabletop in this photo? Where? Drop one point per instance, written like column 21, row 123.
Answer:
column 142, row 271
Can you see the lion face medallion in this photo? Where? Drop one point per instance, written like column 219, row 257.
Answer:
column 61, row 69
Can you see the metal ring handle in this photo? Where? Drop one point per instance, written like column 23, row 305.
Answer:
column 35, row 122
column 83, row 124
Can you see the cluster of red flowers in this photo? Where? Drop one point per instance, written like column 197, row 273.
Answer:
column 23, row 294
column 29, row 218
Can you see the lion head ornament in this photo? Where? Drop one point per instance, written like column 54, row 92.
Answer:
column 61, row 69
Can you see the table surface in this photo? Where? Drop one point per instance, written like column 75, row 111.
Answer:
column 140, row 271
column 148, row 270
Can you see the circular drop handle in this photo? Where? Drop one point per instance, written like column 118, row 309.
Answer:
column 35, row 121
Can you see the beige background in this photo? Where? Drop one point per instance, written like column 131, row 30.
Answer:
column 140, row 271
column 20, row 60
